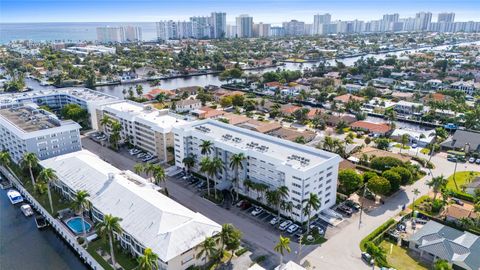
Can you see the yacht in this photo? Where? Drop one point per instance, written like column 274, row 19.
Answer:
column 26, row 210
column 14, row 196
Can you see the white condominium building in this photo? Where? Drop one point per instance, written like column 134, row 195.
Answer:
column 58, row 98
column 270, row 161
column 28, row 129
column 149, row 219
column 143, row 126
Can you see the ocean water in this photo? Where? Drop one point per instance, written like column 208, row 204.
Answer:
column 73, row 32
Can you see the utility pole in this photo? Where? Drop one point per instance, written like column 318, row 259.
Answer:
column 361, row 205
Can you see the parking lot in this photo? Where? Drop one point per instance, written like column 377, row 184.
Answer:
column 257, row 232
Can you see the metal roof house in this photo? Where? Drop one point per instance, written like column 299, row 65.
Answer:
column 149, row 218
column 436, row 241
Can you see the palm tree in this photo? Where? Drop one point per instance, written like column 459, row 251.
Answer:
column 312, row 203
column 208, row 248
column 105, row 121
column 5, row 159
column 108, row 227
column 189, row 162
column 236, row 162
column 227, row 231
column 148, row 261
column 206, row 147
column 115, row 136
column 216, row 165
column 205, row 168
column 138, row 168
column 416, row 192
column 80, row 204
column 30, row 161
column 404, row 141
column 282, row 246
column 437, row 183
column 277, row 197
column 159, row 177
column 48, row 175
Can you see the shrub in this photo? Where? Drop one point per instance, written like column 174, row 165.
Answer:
column 368, row 175
column 437, row 205
column 462, row 196
column 240, row 252
column 385, row 163
column 349, row 180
column 405, row 174
column 376, row 233
column 379, row 185
column 394, row 179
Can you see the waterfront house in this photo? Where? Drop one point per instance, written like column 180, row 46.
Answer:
column 149, row 219
column 468, row 141
column 420, row 137
column 436, row 241
column 469, row 87
column 377, row 129
column 410, row 108
column 344, row 99
column 353, row 88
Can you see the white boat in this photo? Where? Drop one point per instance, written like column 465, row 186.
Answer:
column 26, row 210
column 14, row 196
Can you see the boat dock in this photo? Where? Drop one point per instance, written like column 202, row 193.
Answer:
column 54, row 223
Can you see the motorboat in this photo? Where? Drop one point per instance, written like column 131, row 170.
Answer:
column 40, row 221
column 14, row 196
column 26, row 210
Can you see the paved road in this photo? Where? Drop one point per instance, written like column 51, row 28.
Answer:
column 260, row 236
column 342, row 250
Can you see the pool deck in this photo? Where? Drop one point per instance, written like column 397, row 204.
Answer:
column 67, row 214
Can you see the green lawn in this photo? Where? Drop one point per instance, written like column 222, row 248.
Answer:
column 125, row 260
column 462, row 178
column 398, row 258
column 398, row 145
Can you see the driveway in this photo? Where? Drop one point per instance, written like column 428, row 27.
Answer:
column 342, row 251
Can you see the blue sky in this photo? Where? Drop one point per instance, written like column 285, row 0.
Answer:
column 272, row 11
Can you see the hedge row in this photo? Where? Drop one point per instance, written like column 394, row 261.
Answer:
column 462, row 196
column 378, row 231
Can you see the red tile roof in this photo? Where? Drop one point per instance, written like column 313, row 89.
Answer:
column 380, row 128
column 347, row 97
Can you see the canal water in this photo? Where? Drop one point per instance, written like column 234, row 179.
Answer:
column 24, row 247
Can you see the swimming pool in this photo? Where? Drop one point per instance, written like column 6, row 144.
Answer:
column 75, row 225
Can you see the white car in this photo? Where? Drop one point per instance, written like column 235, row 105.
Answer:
column 292, row 228
column 471, row 160
column 284, row 225
column 274, row 221
column 257, row 211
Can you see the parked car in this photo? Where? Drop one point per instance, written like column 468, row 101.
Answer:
column 414, row 145
column 284, row 225
column 318, row 228
column 352, row 204
column 471, row 160
column 367, row 258
column 477, row 161
column 457, row 201
column 245, row 205
column 292, row 228
column 347, row 210
column 274, row 221
column 256, row 211
column 239, row 203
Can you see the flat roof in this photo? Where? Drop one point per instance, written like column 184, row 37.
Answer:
column 160, row 120
column 153, row 219
column 79, row 92
column 295, row 155
column 31, row 119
